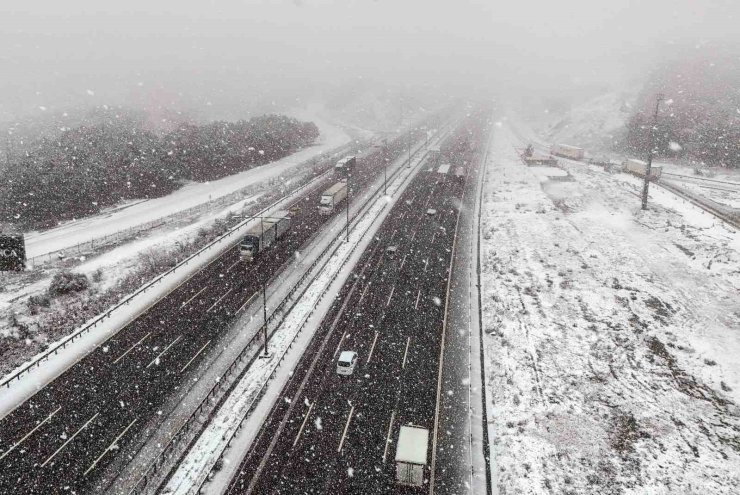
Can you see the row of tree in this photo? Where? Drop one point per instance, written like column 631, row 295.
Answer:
column 88, row 168
column 700, row 117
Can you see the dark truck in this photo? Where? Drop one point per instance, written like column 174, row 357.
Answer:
column 263, row 234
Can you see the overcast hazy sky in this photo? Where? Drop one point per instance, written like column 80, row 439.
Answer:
column 53, row 52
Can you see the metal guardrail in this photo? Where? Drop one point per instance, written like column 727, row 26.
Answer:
column 255, row 342
column 157, row 222
column 734, row 221
column 87, row 327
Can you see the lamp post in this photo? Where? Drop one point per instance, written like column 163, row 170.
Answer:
column 346, row 170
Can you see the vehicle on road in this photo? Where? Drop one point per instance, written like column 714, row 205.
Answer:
column 567, row 151
column 346, row 363
column 346, row 164
column 263, row 234
column 411, row 455
column 431, row 211
column 638, row 167
column 391, row 251
column 332, row 197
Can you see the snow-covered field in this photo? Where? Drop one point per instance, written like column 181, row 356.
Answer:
column 612, row 335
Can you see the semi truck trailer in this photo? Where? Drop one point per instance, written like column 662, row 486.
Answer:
column 567, row 151
column 264, row 234
column 411, row 455
column 346, row 164
column 332, row 197
column 638, row 167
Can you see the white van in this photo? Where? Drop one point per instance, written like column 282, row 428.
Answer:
column 346, row 363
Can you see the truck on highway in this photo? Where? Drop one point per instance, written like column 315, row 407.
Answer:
column 332, row 197
column 411, row 455
column 638, row 167
column 263, row 234
column 345, row 165
column 567, row 151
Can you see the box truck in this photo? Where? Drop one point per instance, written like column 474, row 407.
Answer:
column 263, row 234
column 411, row 455
column 638, row 167
column 332, row 197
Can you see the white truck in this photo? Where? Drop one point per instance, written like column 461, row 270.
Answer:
column 411, row 455
column 567, row 151
column 332, row 197
column 638, row 167
column 263, row 234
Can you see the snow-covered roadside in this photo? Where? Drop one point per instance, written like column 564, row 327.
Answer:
column 193, row 194
column 329, row 278
column 612, row 335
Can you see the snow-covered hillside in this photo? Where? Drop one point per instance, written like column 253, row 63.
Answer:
column 611, row 335
column 595, row 124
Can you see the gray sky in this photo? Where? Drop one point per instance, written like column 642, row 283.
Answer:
column 198, row 51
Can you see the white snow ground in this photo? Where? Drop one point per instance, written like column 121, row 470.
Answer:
column 140, row 212
column 612, row 335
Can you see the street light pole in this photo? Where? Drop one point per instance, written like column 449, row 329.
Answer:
column 346, row 170
column 648, row 168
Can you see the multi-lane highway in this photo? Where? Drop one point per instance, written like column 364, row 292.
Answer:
column 337, row 434
column 61, row 438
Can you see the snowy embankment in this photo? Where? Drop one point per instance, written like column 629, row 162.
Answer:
column 612, row 335
column 140, row 212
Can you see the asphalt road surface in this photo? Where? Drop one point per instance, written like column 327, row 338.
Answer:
column 337, row 434
column 64, row 436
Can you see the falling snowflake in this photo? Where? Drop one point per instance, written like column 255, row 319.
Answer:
column 437, row 301
column 90, row 92
column 317, row 423
column 350, row 472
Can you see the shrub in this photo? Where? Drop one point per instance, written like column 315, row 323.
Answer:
column 66, row 282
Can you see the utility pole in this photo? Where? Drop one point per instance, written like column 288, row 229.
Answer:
column 385, row 167
column 264, row 310
column 346, row 170
column 651, row 145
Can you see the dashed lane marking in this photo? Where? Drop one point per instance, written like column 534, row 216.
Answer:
column 132, row 348
column 406, row 353
column 165, row 350
column 109, row 448
column 52, row 456
column 346, row 427
column 16, row 444
column 219, row 300
column 303, row 425
column 196, row 295
column 388, row 437
column 372, row 348
column 193, row 358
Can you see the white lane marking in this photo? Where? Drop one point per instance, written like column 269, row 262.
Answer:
column 219, row 300
column 346, row 427
column 193, row 358
column 303, row 425
column 362, row 296
column 165, row 350
column 433, row 236
column 426, row 264
column 29, row 434
column 403, row 260
column 390, row 297
column 418, row 296
column 405, row 353
column 70, row 439
column 109, row 448
column 132, row 348
column 196, row 295
column 339, row 345
column 413, row 235
column 372, row 348
column 247, row 302
column 388, row 437
column 233, row 265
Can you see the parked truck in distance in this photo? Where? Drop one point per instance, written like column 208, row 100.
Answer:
column 264, row 234
column 411, row 455
column 567, row 151
column 638, row 167
column 332, row 197
column 345, row 165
